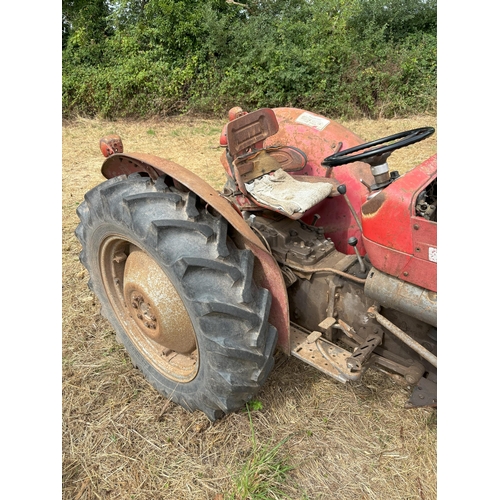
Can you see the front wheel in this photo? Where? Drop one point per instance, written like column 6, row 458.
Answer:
column 178, row 292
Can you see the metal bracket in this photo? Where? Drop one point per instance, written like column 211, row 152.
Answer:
column 363, row 352
column 424, row 394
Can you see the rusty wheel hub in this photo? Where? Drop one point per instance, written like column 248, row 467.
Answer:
column 150, row 309
column 155, row 305
column 144, row 311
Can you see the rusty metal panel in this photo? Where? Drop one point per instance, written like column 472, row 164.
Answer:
column 424, row 394
column 251, row 129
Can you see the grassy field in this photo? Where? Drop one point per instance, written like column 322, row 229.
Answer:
column 304, row 437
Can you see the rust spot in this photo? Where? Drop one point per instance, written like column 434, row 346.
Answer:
column 373, row 205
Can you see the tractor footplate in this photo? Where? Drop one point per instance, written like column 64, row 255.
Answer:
column 323, row 355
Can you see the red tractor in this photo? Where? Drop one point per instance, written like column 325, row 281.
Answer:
column 314, row 248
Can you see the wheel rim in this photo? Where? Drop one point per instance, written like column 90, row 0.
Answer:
column 149, row 308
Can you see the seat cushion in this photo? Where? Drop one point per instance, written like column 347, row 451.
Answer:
column 280, row 191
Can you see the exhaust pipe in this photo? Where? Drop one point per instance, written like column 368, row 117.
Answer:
column 406, row 298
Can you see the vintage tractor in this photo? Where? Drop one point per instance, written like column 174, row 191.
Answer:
column 314, row 248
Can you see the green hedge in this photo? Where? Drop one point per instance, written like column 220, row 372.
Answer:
column 327, row 56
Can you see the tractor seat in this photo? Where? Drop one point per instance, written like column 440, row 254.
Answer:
column 282, row 193
column 261, row 173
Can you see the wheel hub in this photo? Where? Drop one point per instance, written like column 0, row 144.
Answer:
column 155, row 306
column 144, row 311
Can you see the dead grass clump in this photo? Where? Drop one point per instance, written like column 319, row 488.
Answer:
column 312, row 438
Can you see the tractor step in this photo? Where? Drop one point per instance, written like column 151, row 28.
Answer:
column 322, row 354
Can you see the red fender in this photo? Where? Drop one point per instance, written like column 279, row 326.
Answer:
column 267, row 273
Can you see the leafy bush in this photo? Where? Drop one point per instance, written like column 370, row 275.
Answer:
column 344, row 58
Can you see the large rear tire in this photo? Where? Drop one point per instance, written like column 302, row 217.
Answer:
column 178, row 292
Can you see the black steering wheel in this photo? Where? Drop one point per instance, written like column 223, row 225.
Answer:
column 379, row 154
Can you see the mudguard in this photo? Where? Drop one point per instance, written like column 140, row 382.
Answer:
column 267, row 273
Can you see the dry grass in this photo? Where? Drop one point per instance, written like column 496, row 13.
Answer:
column 122, row 440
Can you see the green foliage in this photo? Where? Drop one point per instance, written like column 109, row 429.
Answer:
column 263, row 473
column 254, row 405
column 345, row 58
column 398, row 18
column 84, row 22
column 135, row 87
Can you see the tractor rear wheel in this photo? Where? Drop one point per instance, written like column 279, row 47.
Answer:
column 178, row 292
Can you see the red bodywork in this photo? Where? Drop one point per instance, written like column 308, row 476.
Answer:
column 397, row 241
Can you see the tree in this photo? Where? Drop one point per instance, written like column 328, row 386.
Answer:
column 399, row 18
column 87, row 20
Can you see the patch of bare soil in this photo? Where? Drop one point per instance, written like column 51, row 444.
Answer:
column 308, row 437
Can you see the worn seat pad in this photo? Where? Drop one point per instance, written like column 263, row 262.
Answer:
column 281, row 191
